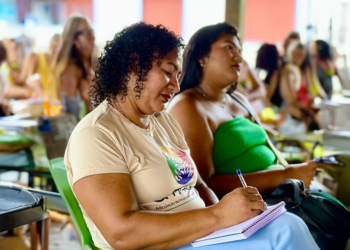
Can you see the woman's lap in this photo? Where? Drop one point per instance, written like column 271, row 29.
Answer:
column 288, row 232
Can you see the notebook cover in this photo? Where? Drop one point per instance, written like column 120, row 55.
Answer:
column 243, row 230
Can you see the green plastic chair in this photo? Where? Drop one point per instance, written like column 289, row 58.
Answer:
column 59, row 174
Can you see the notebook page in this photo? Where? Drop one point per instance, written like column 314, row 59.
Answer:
column 240, row 228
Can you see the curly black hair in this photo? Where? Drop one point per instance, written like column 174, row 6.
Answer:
column 132, row 50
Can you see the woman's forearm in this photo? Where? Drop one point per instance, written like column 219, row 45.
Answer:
column 259, row 90
column 124, row 226
column 18, row 92
column 266, row 181
column 255, row 94
column 164, row 230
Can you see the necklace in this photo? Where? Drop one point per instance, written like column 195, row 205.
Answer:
column 205, row 95
column 116, row 107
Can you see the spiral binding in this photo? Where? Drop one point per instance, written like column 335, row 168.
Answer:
column 266, row 219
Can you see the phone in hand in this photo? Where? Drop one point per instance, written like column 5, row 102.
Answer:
column 329, row 161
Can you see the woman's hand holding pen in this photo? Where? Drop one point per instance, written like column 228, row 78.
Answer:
column 238, row 206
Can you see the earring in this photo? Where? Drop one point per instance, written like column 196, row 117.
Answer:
column 201, row 64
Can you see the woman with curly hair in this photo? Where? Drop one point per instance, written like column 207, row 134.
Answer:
column 130, row 168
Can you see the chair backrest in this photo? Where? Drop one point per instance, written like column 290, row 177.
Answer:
column 59, row 174
column 343, row 72
column 343, row 75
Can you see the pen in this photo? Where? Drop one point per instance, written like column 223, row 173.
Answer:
column 241, row 178
column 243, row 181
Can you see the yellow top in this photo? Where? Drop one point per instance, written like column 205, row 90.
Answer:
column 7, row 69
column 43, row 69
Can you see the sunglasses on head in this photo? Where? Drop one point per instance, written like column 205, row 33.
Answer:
column 84, row 32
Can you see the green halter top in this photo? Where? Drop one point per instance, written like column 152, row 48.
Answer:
column 241, row 144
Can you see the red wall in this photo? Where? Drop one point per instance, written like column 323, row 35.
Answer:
column 79, row 6
column 166, row 12
column 268, row 20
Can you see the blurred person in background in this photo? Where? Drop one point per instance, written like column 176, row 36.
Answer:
column 267, row 59
column 16, row 50
column 11, row 61
column 221, row 134
column 310, row 86
column 130, row 167
column 251, row 87
column 72, row 66
column 296, row 82
column 322, row 57
column 290, row 38
column 36, row 67
column 8, row 90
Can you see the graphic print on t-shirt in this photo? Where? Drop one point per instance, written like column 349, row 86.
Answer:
column 180, row 164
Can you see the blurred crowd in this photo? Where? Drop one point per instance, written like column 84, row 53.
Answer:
column 293, row 78
column 282, row 87
column 60, row 78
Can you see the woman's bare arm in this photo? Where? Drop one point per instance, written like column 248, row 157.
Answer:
column 30, row 63
column 199, row 137
column 259, row 90
column 18, row 92
column 117, row 216
column 110, row 202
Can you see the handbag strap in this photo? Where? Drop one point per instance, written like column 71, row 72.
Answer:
column 252, row 114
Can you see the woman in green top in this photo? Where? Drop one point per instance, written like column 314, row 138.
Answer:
column 217, row 128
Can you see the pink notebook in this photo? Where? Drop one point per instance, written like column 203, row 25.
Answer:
column 243, row 230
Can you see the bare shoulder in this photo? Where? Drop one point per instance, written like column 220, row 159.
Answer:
column 32, row 59
column 186, row 102
column 33, row 56
column 191, row 114
column 242, row 98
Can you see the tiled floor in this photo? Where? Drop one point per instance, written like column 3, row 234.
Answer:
column 63, row 239
column 59, row 239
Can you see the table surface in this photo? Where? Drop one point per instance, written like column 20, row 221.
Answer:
column 27, row 214
column 23, row 216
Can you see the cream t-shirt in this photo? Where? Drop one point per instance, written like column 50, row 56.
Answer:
column 157, row 158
